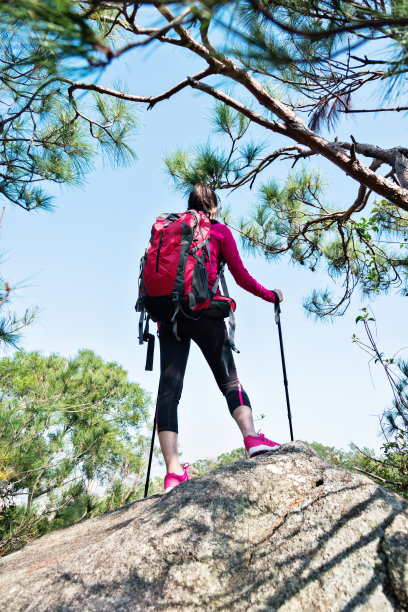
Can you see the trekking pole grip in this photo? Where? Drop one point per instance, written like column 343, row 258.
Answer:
column 277, row 307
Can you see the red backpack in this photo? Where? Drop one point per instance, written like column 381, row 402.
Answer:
column 173, row 279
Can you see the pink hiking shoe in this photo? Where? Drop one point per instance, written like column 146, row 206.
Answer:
column 172, row 480
column 256, row 445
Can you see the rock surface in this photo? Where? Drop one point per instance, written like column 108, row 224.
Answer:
column 286, row 531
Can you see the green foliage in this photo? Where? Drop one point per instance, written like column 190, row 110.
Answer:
column 205, row 465
column 350, row 459
column 395, row 428
column 10, row 323
column 71, row 442
column 397, row 416
column 47, row 135
column 226, row 120
column 59, row 26
column 305, row 41
column 207, row 163
column 392, row 469
column 272, row 47
column 302, row 53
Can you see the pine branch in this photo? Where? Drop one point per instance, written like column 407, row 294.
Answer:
column 380, row 479
column 150, row 100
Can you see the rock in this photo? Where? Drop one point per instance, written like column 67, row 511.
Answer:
column 286, row 531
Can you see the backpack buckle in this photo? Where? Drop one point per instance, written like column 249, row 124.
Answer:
column 175, row 296
column 140, row 303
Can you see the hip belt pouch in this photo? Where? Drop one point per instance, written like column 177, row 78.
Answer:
column 220, row 307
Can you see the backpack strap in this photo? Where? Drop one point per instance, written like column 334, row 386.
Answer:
column 141, row 319
column 179, row 309
column 149, row 338
column 231, row 319
column 144, row 335
column 176, row 300
column 230, row 343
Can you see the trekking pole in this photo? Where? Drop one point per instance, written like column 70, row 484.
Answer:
column 285, row 379
column 150, row 456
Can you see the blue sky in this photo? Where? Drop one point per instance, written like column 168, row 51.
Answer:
column 80, row 265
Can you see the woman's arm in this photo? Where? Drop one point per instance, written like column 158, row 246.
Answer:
column 241, row 275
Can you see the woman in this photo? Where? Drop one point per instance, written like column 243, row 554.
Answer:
column 210, row 335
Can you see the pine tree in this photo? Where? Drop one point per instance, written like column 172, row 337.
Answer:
column 46, row 136
column 71, row 442
column 391, row 470
column 292, row 68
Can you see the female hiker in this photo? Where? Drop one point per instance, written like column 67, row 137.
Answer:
column 210, row 335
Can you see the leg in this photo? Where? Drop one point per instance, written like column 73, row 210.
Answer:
column 211, row 335
column 169, row 448
column 173, row 361
column 243, row 418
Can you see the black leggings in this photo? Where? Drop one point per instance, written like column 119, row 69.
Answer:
column 210, row 335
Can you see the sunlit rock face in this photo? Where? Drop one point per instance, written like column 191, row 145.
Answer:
column 284, row 531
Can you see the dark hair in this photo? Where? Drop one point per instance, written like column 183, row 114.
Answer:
column 202, row 197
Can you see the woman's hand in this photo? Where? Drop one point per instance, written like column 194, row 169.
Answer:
column 279, row 292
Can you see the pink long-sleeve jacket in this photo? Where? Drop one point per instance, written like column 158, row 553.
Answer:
column 223, row 246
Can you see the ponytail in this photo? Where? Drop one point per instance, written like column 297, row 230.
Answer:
column 202, row 197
